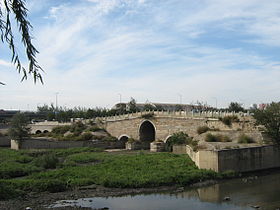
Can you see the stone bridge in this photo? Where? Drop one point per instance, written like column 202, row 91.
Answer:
column 44, row 127
column 159, row 125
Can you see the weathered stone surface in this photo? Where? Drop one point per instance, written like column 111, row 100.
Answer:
column 239, row 160
column 157, row 146
column 166, row 124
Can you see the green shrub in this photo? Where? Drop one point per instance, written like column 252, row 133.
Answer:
column 210, row 138
column 244, row 139
column 69, row 137
column 51, row 185
column 202, row 129
column 95, row 128
column 109, row 138
column 131, row 140
column 228, row 120
column 86, row 136
column 77, row 128
column 217, row 138
column 48, row 161
column 229, row 174
column 8, row 192
column 177, row 138
column 14, row 169
column 61, row 129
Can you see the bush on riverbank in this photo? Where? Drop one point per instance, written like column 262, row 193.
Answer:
column 244, row 139
column 85, row 166
column 217, row 138
column 228, row 120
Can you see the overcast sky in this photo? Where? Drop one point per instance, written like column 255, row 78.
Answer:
column 93, row 51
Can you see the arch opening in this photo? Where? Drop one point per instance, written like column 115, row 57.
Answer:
column 38, row 132
column 123, row 139
column 168, row 144
column 147, row 132
column 46, row 131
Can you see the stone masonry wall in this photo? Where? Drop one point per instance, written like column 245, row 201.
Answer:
column 166, row 126
column 239, row 160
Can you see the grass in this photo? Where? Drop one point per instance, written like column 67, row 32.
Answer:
column 244, row 139
column 202, row 129
column 228, row 120
column 84, row 166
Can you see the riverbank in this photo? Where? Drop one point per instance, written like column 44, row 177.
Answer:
column 64, row 169
column 30, row 173
column 43, row 200
column 241, row 193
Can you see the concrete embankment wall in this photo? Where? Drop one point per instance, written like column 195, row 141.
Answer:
column 5, row 141
column 52, row 144
column 239, row 160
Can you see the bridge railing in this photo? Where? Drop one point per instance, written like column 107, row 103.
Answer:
column 182, row 114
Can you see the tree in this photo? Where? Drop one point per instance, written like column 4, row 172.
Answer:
column 150, row 107
column 19, row 127
column 270, row 119
column 132, row 106
column 235, row 107
column 17, row 9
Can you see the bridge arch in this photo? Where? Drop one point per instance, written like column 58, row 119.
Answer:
column 123, row 137
column 167, row 138
column 168, row 146
column 38, row 132
column 147, row 131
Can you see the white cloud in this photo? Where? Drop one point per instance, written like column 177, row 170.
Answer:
column 95, row 50
column 5, row 63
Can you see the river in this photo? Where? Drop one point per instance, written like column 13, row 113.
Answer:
column 261, row 191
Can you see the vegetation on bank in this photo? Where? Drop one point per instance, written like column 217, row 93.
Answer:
column 228, row 120
column 180, row 138
column 217, row 138
column 269, row 119
column 244, row 139
column 204, row 129
column 63, row 169
column 78, row 131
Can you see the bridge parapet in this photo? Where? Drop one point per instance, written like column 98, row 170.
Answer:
column 181, row 114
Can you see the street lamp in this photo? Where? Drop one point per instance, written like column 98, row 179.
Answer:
column 56, row 94
column 180, row 95
column 120, row 97
column 216, row 102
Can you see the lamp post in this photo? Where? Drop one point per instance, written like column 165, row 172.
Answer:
column 216, row 100
column 120, row 97
column 56, row 94
column 180, row 95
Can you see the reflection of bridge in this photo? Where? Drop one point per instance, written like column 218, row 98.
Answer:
column 257, row 190
column 158, row 125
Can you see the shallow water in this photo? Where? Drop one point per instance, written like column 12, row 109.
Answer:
column 259, row 191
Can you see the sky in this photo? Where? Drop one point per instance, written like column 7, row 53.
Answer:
column 97, row 52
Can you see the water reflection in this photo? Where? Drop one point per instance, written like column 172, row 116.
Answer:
column 262, row 191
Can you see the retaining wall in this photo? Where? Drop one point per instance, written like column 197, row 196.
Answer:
column 53, row 144
column 239, row 160
column 5, row 141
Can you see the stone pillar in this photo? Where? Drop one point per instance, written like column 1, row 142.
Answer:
column 157, row 146
column 15, row 145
